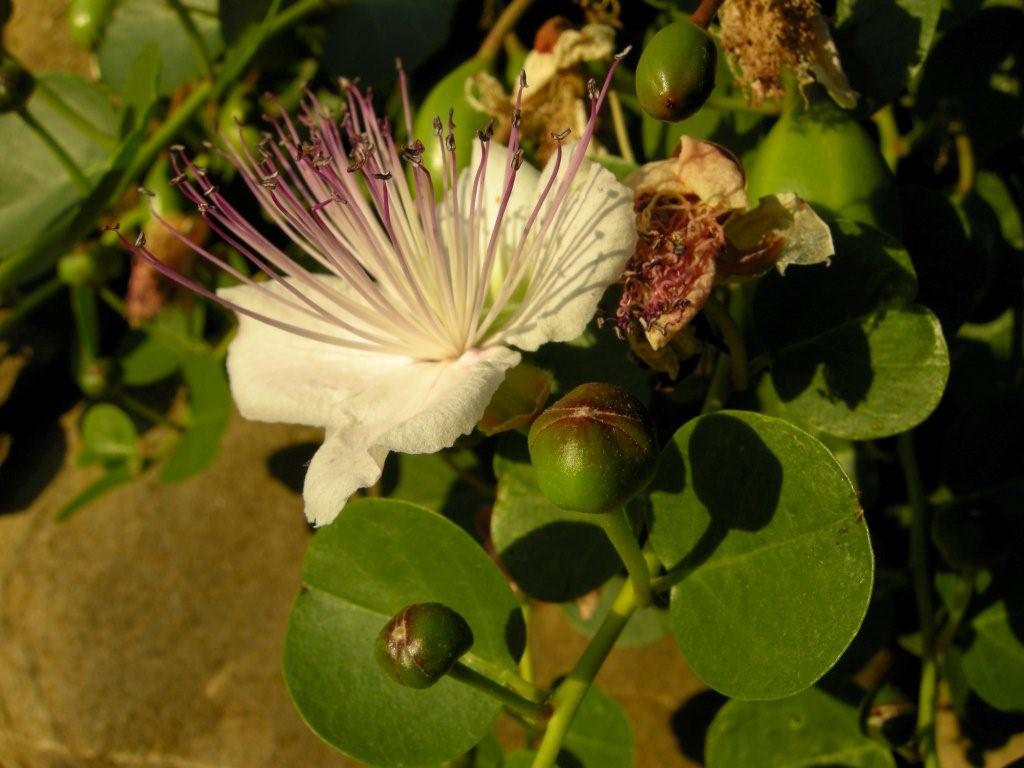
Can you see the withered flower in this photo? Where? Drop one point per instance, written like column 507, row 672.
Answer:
column 761, row 38
column 694, row 232
column 555, row 99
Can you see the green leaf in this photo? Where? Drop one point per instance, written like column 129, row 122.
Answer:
column 37, row 191
column 365, row 36
column 448, row 482
column 599, row 737
column 883, row 44
column 850, row 357
column 778, row 563
column 810, row 729
column 137, row 24
column 644, row 627
column 155, row 356
column 140, row 88
column 108, row 435
column 552, row 554
column 376, row 558
column 209, row 413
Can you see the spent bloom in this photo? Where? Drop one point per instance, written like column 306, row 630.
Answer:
column 761, row 38
column 400, row 341
column 695, row 232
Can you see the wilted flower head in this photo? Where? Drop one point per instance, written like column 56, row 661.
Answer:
column 695, row 232
column 402, row 339
column 557, row 85
column 763, row 37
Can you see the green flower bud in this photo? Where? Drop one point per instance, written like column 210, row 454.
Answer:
column 94, row 376
column 594, row 449
column 972, row 535
column 676, row 71
column 16, row 85
column 76, row 268
column 422, row 643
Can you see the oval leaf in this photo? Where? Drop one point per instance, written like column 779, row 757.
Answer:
column 109, row 436
column 376, row 558
column 850, row 356
column 811, row 729
column 777, row 557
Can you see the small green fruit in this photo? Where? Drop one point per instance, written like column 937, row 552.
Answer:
column 826, row 157
column 676, row 71
column 76, row 268
column 972, row 535
column 86, row 19
column 16, row 85
column 594, row 449
column 421, row 643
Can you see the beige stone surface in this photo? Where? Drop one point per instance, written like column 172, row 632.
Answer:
column 147, row 630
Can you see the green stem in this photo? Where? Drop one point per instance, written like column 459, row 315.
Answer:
column 719, row 315
column 506, row 677
column 36, row 297
column 620, row 533
column 195, row 38
column 506, row 22
column 890, row 141
column 923, row 594
column 66, row 161
column 569, row 695
column 509, row 699
column 85, row 313
column 526, row 660
column 149, row 414
column 718, row 389
column 73, row 116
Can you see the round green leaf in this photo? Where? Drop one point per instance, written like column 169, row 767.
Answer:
column 993, row 659
column 108, row 434
column 778, row 563
column 552, row 554
column 376, row 558
column 810, row 729
column 850, row 356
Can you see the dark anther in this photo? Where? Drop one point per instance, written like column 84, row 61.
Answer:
column 200, row 171
column 449, row 142
column 116, row 226
column 179, row 179
column 522, row 79
column 386, row 176
column 451, row 120
column 208, row 144
column 210, row 191
column 517, row 118
column 146, row 192
column 140, row 241
column 592, row 91
column 517, row 159
column 177, row 147
column 203, row 207
column 438, row 129
column 561, row 136
column 623, row 53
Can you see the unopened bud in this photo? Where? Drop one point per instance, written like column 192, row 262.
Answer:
column 594, row 449
column 421, row 643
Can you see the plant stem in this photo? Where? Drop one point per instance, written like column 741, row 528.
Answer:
column 718, row 389
column 69, row 113
column 706, row 12
column 620, row 533
column 890, row 141
column 149, row 414
column 492, row 44
column 619, row 122
column 513, row 701
column 923, row 595
column 36, row 297
column 526, row 660
column 964, row 161
column 506, row 678
column 66, row 161
column 569, row 695
column 719, row 315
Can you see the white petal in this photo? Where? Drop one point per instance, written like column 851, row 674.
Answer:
column 523, row 193
column 421, row 407
column 584, row 250
column 279, row 376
